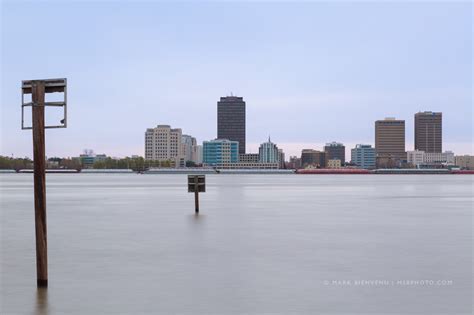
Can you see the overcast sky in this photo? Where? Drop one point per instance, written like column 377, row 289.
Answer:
column 310, row 73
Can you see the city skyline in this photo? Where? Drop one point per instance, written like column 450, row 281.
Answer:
column 326, row 76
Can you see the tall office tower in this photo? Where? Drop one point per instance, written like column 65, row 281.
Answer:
column 231, row 120
column 163, row 144
column 390, row 142
column 428, row 132
column 335, row 151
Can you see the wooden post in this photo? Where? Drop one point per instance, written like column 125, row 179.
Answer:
column 196, row 193
column 38, row 90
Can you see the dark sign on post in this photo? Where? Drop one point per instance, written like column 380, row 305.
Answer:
column 196, row 184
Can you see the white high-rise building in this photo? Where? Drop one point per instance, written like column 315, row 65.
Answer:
column 268, row 152
column 163, row 144
column 188, row 146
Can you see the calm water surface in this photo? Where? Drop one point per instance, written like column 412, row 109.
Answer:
column 263, row 244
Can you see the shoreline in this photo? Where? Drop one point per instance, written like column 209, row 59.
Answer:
column 255, row 172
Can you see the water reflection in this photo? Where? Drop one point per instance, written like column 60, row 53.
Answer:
column 42, row 306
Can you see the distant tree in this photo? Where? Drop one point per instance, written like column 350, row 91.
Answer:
column 190, row 164
column 72, row 164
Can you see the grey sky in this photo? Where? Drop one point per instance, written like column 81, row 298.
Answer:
column 310, row 72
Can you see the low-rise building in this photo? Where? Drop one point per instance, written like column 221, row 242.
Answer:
column 363, row 156
column 220, row 151
column 446, row 157
column 88, row 159
column 465, row 161
column 249, row 158
column 334, row 163
column 257, row 165
column 416, row 157
column 294, row 163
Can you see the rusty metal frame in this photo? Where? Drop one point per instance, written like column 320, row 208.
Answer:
column 51, row 86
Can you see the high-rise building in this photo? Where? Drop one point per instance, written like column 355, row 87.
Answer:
column 313, row 158
column 281, row 158
column 188, row 148
column 231, row 120
column 335, row 151
column 268, row 152
column 428, row 132
column 363, row 156
column 163, row 143
column 389, row 142
column 220, row 151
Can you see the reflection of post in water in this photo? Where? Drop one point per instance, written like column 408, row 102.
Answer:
column 41, row 306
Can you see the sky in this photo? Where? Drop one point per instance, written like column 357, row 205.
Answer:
column 310, row 72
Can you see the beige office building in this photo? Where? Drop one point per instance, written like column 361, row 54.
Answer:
column 163, row 143
column 334, row 163
column 389, row 142
column 465, row 161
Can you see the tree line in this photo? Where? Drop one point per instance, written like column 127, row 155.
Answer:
column 135, row 163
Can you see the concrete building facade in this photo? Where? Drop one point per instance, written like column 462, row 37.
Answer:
column 313, row 158
column 334, row 163
column 281, row 158
column 249, row 158
column 188, row 148
column 335, row 150
column 429, row 132
column 220, row 151
column 465, row 161
column 231, row 120
column 243, row 165
column 446, row 157
column 163, row 143
column 268, row 152
column 389, row 142
column 416, row 157
column 363, row 156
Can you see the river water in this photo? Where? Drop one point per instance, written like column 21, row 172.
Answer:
column 262, row 244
